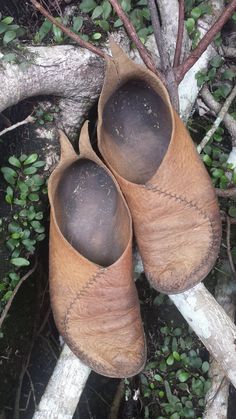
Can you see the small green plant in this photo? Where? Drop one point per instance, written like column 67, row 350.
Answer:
column 99, row 15
column 195, row 10
column 9, row 35
column 175, row 381
column 224, row 75
column 42, row 116
column 24, row 228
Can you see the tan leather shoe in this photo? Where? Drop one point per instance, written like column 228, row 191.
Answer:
column 93, row 295
column 169, row 193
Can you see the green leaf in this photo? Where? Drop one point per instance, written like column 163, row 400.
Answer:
column 33, row 197
column 43, row 31
column 96, row 36
column 14, row 227
column 3, row 27
column 31, row 159
column 196, row 12
column 8, row 20
column 39, row 163
column 87, row 6
column 158, row 377
column 207, row 160
column 232, row 211
column 118, row 23
column 162, row 366
column 40, row 237
column 190, row 25
column 22, row 158
column 183, row 376
column 126, row 5
column 7, row 296
column 217, row 173
column 176, row 356
column 205, row 366
column 104, row 25
column 177, row 331
column 19, row 262
column 107, row 9
column 20, row 202
column 211, row 74
column 58, row 34
column 11, row 57
column 228, row 75
column 30, row 170
column 97, row 12
column 9, row 199
column 10, row 191
column 170, row 360
column 216, row 61
column 14, row 161
column 39, row 215
column 169, row 394
column 22, row 186
column 8, row 171
column 9, row 36
column 14, row 279
column 218, row 40
column 77, row 23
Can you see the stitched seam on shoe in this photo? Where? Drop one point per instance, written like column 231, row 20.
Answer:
column 80, row 293
column 193, row 205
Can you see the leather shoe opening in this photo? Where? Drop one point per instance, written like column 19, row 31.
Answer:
column 137, row 130
column 91, row 213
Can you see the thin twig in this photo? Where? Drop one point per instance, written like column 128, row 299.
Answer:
column 29, row 120
column 218, row 120
column 229, row 121
column 8, row 305
column 226, row 193
column 67, row 31
column 32, row 387
column 205, row 41
column 134, row 37
column 180, row 34
column 164, row 57
column 231, row 262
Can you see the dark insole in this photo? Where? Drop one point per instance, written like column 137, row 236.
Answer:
column 138, row 126
column 88, row 210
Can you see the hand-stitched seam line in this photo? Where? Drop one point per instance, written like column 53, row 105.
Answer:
column 213, row 241
column 80, row 293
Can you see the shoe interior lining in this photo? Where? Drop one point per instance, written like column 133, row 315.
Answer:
column 91, row 213
column 137, row 130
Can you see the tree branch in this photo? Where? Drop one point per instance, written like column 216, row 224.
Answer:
column 165, row 60
column 226, row 193
column 67, row 31
column 179, row 35
column 8, row 305
column 231, row 262
column 218, row 120
column 229, row 121
column 28, row 120
column 205, row 41
column 134, row 37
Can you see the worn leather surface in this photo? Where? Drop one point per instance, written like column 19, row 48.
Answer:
column 175, row 211
column 96, row 309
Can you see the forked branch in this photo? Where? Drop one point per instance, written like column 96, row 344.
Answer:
column 205, row 41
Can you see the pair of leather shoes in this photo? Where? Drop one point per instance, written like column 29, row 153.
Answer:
column 152, row 176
